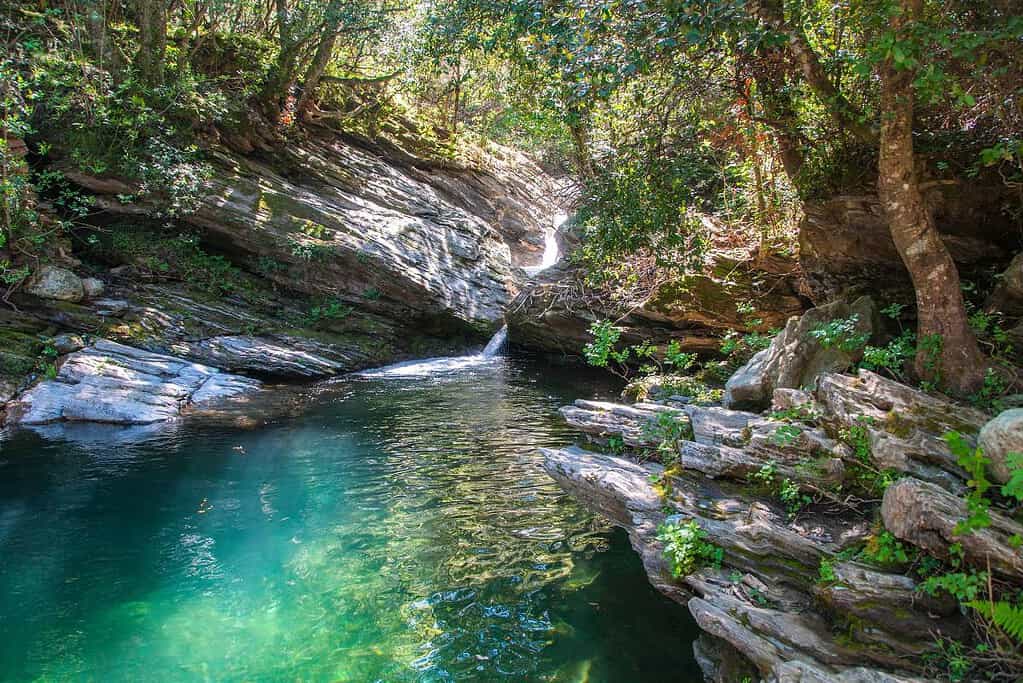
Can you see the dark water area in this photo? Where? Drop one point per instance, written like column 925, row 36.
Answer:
column 393, row 529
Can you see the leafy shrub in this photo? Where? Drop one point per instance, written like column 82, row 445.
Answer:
column 687, row 548
column 841, row 334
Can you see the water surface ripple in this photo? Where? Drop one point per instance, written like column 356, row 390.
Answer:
column 396, row 529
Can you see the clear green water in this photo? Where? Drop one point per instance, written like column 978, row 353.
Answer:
column 391, row 530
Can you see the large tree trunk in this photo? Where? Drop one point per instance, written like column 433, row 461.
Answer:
column 955, row 361
column 152, row 20
column 313, row 75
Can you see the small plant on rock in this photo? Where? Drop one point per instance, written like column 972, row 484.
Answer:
column 841, row 334
column 687, row 548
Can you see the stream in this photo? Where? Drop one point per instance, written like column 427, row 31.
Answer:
column 394, row 528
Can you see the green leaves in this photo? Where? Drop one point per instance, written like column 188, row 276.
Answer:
column 687, row 548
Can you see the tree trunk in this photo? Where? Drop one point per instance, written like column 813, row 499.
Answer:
column 313, row 75
column 152, row 20
column 947, row 353
column 771, row 12
column 283, row 77
column 581, row 145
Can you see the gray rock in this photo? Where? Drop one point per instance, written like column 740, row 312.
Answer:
column 804, row 672
column 787, row 399
column 904, row 426
column 113, row 383
column 287, row 358
column 795, row 359
column 1007, row 297
column 67, row 343
column 713, row 426
column 926, row 516
column 52, row 282
column 1000, row 437
column 92, row 287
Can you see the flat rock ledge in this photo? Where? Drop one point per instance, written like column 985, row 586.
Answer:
column 117, row 384
column 768, row 601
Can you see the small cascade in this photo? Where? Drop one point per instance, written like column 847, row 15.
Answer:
column 551, row 252
column 428, row 367
column 496, row 343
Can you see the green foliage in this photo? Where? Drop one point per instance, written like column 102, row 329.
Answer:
column 178, row 257
column 885, row 550
column 1013, row 488
column 803, row 412
column 786, row 435
column 687, row 385
column 857, row 437
column 975, row 463
column 601, row 350
column 963, row 586
column 841, row 334
column 792, row 497
column 950, row 659
column 989, row 396
column 687, row 548
column 666, row 430
column 765, row 475
column 929, row 349
column 1004, row 615
column 329, row 309
column 826, row 572
column 891, row 359
column 739, row 348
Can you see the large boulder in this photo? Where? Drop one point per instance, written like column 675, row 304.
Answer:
column 428, row 246
column 928, row 517
column 1000, row 437
column 902, row 426
column 53, row 282
column 795, row 358
column 118, row 384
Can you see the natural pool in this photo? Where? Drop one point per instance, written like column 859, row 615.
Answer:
column 393, row 529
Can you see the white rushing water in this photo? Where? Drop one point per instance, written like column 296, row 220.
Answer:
column 428, row 367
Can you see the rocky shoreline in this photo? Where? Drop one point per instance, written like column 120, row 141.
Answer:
column 794, row 498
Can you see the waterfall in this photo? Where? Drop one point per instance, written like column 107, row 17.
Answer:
column 429, row 367
column 496, row 343
column 551, row 252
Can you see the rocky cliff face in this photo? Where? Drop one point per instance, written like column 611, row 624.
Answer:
column 433, row 245
column 310, row 259
column 845, row 247
column 554, row 312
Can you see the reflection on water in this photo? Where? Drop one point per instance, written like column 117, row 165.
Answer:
column 396, row 530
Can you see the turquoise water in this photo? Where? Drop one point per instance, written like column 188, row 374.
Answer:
column 375, row 530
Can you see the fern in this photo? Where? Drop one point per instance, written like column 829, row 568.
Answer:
column 1005, row 615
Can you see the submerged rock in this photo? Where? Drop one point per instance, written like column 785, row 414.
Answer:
column 114, row 383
